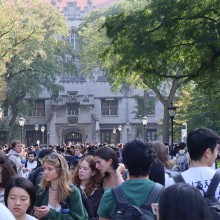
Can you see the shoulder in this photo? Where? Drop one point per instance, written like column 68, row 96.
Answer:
column 29, row 217
column 5, row 213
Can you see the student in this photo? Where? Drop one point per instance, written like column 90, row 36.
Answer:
column 15, row 155
column 183, row 202
column 19, row 197
column 30, row 164
column 56, row 198
column 89, row 180
column 202, row 144
column 108, row 164
column 138, row 156
column 6, row 172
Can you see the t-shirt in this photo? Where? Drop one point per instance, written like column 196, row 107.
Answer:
column 29, row 217
column 5, row 214
column 199, row 176
column 135, row 190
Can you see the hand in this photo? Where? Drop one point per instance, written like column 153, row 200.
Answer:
column 121, row 168
column 41, row 211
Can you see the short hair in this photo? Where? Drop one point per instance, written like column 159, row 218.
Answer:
column 62, row 168
column 31, row 152
column 26, row 185
column 183, row 202
column 7, row 171
column 138, row 155
column 182, row 145
column 44, row 152
column 199, row 140
column 107, row 153
column 14, row 143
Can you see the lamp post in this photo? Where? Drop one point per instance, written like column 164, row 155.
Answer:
column 172, row 113
column 21, row 123
column 42, row 130
column 119, row 129
column 144, row 122
column 36, row 128
column 127, row 125
column 1, row 113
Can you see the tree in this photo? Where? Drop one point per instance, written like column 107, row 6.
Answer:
column 174, row 41
column 34, row 54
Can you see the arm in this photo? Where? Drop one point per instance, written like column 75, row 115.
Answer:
column 119, row 171
column 77, row 210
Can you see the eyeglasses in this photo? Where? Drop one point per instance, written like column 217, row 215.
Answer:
column 52, row 157
column 155, row 208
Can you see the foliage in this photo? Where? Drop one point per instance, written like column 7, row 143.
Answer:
column 33, row 52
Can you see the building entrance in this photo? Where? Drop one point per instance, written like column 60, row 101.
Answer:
column 74, row 137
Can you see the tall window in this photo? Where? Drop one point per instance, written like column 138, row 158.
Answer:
column 151, row 134
column 73, row 109
column 38, row 109
column 109, row 107
column 150, row 105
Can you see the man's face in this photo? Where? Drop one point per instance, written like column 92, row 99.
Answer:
column 31, row 158
column 18, row 148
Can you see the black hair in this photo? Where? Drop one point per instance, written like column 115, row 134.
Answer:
column 199, row 140
column 138, row 155
column 31, row 153
column 183, row 202
column 157, row 172
column 25, row 184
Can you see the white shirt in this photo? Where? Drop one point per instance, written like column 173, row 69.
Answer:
column 5, row 214
column 201, row 176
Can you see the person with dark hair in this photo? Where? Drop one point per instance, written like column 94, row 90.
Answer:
column 89, row 181
column 108, row 164
column 37, row 173
column 30, row 164
column 15, row 155
column 20, row 197
column 6, row 172
column 157, row 173
column 138, row 156
column 183, row 202
column 202, row 144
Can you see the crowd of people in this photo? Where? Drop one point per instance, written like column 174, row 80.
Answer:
column 79, row 181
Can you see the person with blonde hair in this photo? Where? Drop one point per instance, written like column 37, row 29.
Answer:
column 89, row 180
column 162, row 154
column 57, row 198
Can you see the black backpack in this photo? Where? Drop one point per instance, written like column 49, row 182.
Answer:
column 209, row 196
column 132, row 212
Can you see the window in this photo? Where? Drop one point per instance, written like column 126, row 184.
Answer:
column 151, row 134
column 109, row 107
column 150, row 105
column 73, row 109
column 38, row 109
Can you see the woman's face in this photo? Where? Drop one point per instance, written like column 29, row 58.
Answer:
column 102, row 165
column 18, row 201
column 50, row 172
column 85, row 172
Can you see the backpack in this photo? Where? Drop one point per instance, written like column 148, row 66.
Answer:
column 181, row 161
column 209, row 196
column 132, row 212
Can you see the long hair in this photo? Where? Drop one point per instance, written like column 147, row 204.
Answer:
column 162, row 154
column 94, row 182
column 7, row 170
column 26, row 185
column 61, row 166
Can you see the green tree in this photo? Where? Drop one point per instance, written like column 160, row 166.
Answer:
column 154, row 43
column 34, row 54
